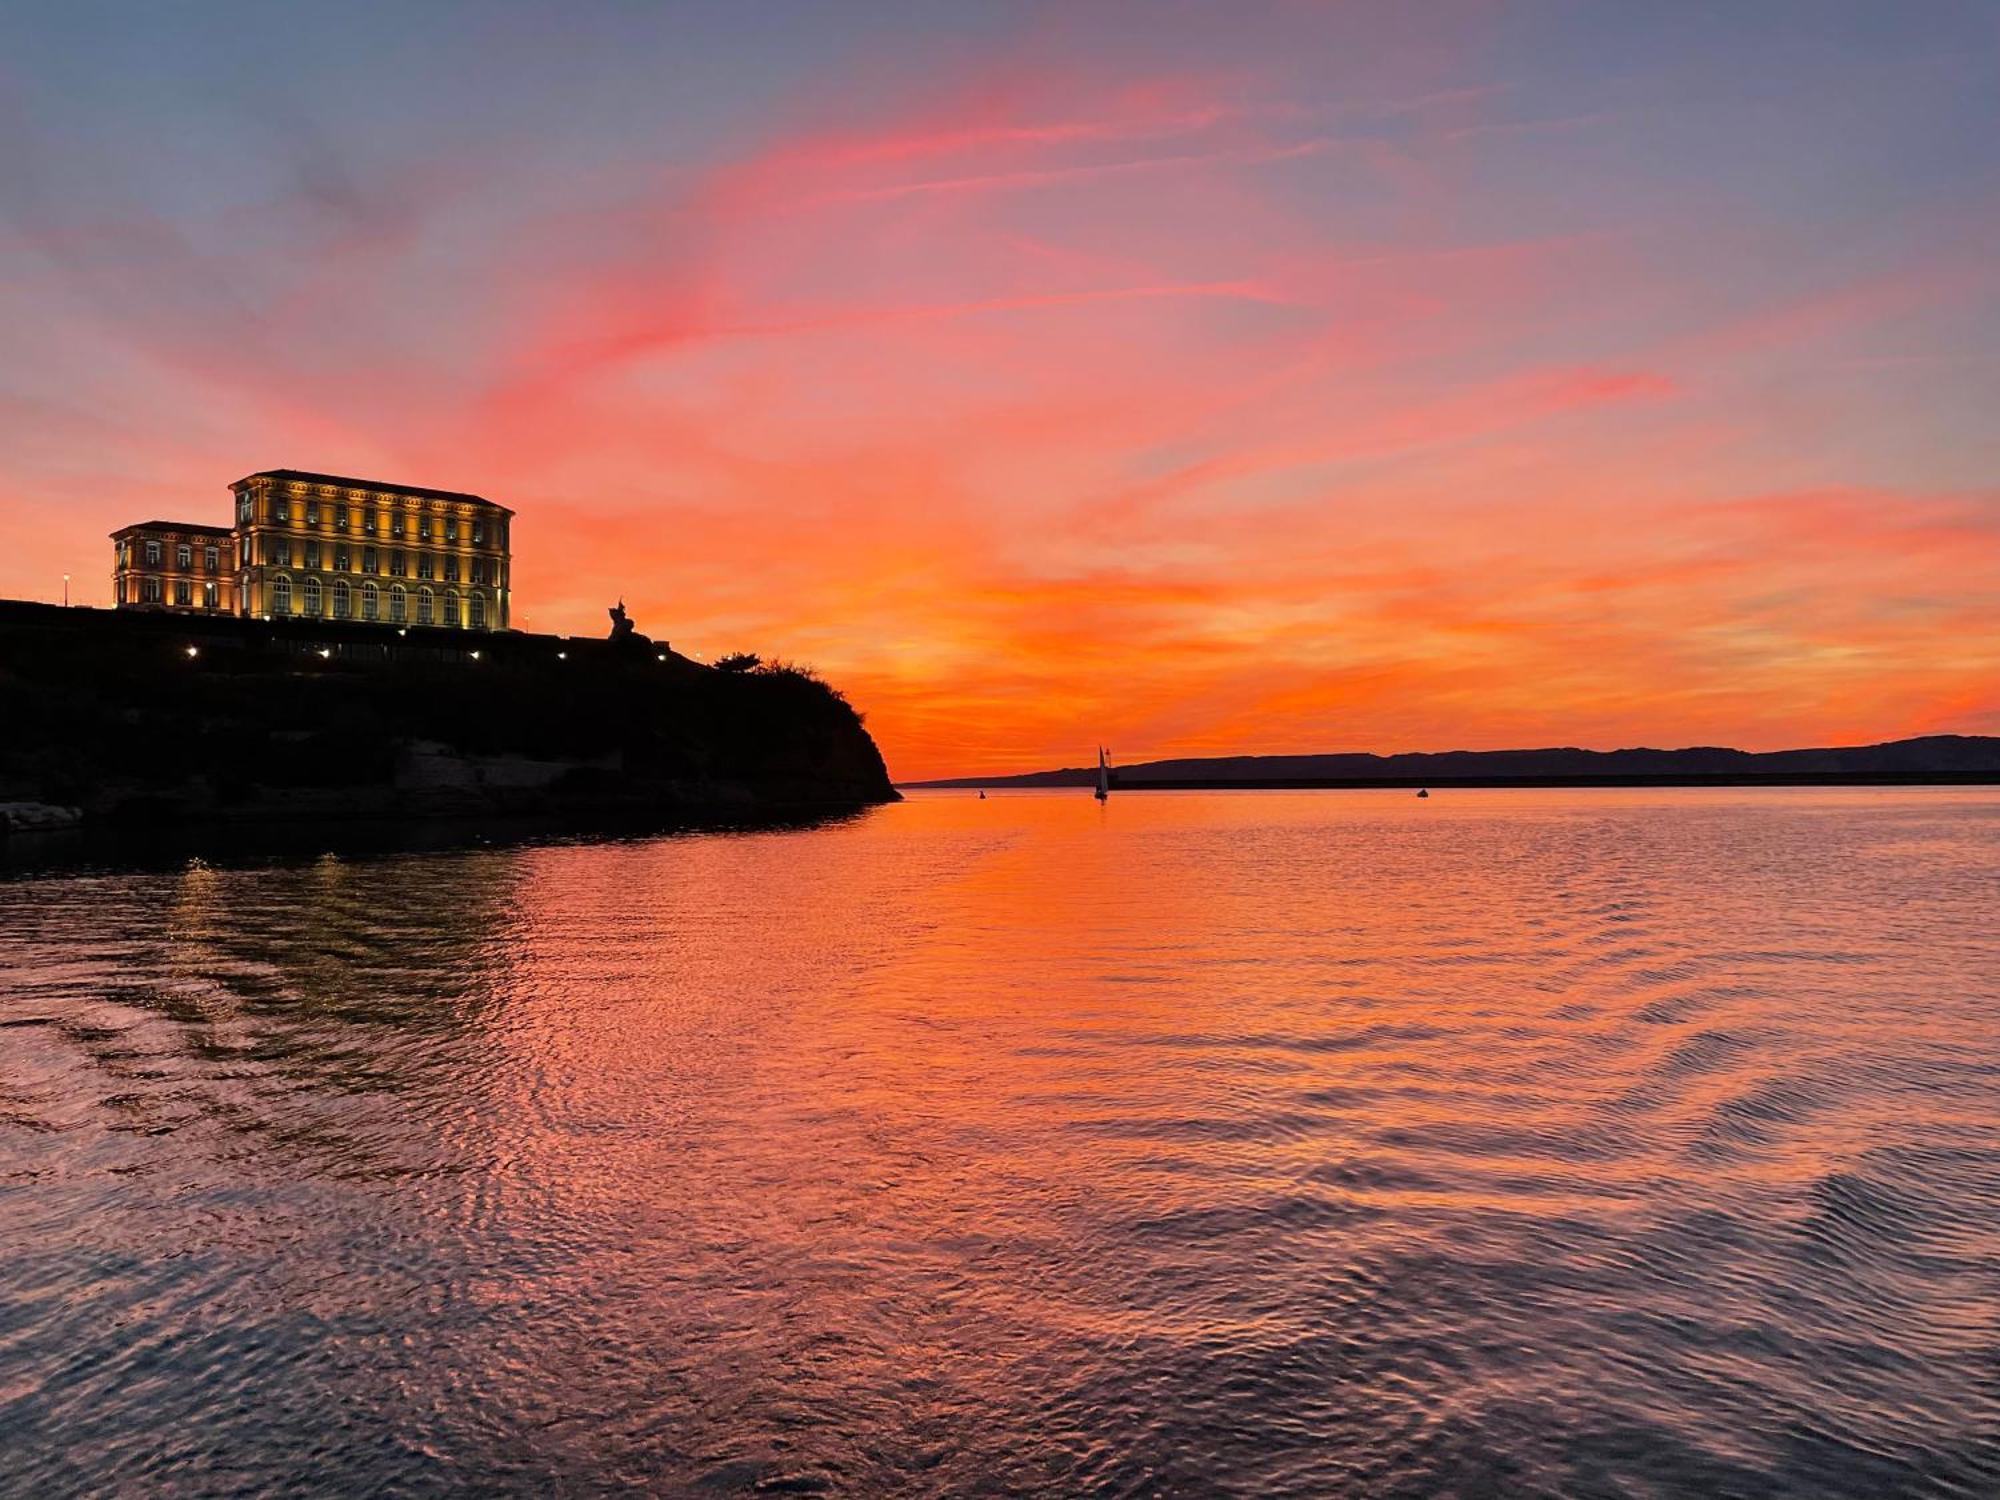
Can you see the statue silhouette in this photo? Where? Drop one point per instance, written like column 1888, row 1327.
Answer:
column 624, row 634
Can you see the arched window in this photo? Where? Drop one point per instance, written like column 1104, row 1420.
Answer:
column 309, row 597
column 399, row 604
column 478, row 607
column 281, row 595
column 451, row 608
column 371, row 602
column 425, row 601
column 343, row 600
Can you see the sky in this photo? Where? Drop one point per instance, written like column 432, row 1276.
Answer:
column 1186, row 378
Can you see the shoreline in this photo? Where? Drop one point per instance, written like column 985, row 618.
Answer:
column 1462, row 783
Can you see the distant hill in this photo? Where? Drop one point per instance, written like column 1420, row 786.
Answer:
column 1937, row 758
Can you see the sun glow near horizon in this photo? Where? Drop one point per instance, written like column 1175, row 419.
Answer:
column 1333, row 379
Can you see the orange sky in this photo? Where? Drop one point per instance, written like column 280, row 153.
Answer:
column 1326, row 381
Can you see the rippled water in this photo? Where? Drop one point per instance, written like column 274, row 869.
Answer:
column 1510, row 1143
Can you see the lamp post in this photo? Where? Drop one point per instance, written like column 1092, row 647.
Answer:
column 65, row 591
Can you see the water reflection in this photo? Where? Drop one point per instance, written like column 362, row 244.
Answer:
column 1523, row 1143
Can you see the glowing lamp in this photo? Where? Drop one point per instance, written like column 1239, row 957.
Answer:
column 475, row 656
column 193, row 652
column 325, row 652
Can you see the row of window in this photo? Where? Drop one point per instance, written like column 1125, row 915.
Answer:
column 278, row 554
column 152, row 591
column 153, row 550
column 313, row 599
column 280, row 512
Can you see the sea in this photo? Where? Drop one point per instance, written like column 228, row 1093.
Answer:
column 1509, row 1143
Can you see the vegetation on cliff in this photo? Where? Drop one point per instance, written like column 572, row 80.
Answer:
column 132, row 713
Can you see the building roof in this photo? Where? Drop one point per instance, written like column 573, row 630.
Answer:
column 171, row 526
column 344, row 482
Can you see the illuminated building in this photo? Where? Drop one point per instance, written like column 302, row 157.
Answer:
column 175, row 566
column 318, row 546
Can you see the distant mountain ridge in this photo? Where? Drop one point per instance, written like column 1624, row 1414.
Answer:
column 1937, row 758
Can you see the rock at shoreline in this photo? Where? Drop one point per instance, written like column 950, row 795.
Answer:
column 37, row 817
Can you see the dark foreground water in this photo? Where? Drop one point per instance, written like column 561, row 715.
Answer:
column 1505, row 1144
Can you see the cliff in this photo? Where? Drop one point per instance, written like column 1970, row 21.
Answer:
column 155, row 717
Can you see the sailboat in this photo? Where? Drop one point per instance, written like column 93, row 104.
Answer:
column 1103, row 776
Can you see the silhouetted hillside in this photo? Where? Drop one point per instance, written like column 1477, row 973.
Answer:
column 161, row 716
column 1941, row 758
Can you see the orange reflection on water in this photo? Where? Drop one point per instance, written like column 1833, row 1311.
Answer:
column 1294, row 1141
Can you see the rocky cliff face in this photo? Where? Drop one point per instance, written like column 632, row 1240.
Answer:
column 142, row 716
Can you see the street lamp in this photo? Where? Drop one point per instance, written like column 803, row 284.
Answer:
column 65, row 591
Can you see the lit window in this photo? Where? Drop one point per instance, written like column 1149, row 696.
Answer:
column 309, row 596
column 451, row 529
column 399, row 564
column 281, row 511
column 371, row 602
column 152, row 554
column 426, row 565
column 451, row 607
column 312, row 554
column 478, row 533
column 340, row 560
column 424, row 528
column 343, row 600
column 340, row 518
column 281, row 595
column 312, row 512
column 397, row 525
column 211, row 557
column 183, row 557
column 424, row 606
column 478, row 606
column 399, row 604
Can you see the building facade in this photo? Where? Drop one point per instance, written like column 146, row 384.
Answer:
column 175, row 566
column 320, row 546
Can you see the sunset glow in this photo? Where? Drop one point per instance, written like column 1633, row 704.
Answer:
column 1188, row 379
